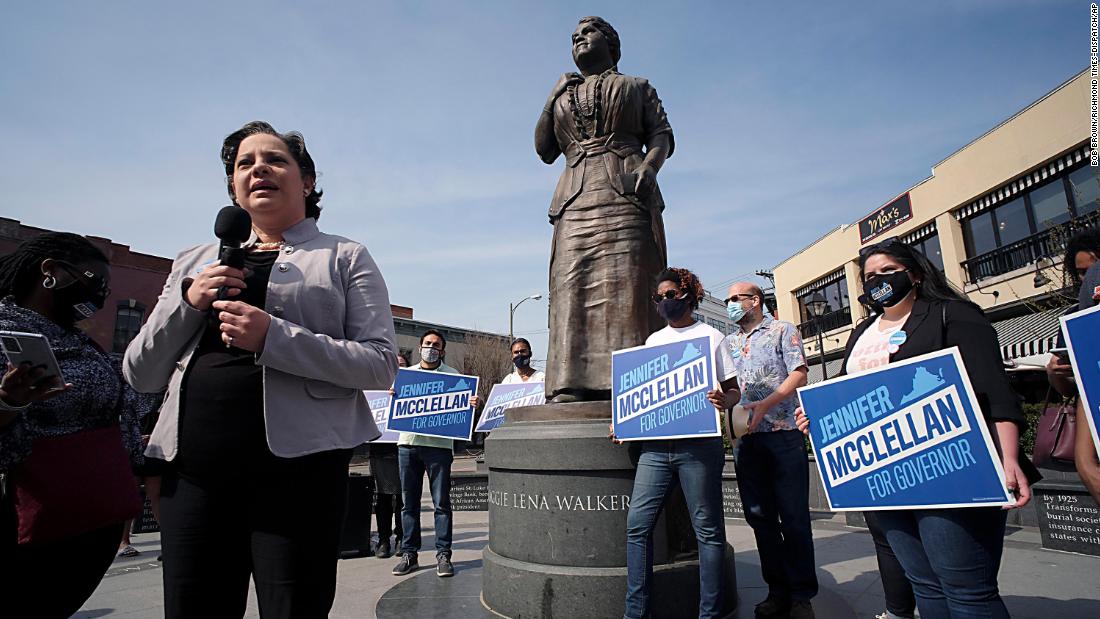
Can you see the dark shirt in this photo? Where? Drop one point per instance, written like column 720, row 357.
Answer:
column 98, row 397
column 222, row 427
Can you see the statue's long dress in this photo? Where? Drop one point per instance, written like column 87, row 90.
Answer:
column 608, row 243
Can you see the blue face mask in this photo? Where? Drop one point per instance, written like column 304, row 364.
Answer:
column 735, row 310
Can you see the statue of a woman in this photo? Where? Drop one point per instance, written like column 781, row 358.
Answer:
column 608, row 242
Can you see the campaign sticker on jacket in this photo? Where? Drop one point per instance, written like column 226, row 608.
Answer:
column 379, row 402
column 433, row 404
column 1082, row 331
column 909, row 435
column 503, row 397
column 660, row 391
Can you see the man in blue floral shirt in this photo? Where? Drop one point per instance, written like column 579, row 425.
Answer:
column 772, row 467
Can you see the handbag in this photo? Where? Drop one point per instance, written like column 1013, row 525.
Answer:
column 1056, row 433
column 72, row 484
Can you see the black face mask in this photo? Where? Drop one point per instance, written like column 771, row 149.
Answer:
column 886, row 290
column 521, row 361
column 672, row 310
column 77, row 302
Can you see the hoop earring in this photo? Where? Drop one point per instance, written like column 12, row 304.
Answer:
column 49, row 282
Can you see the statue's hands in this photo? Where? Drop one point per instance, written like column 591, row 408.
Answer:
column 646, row 181
column 563, row 82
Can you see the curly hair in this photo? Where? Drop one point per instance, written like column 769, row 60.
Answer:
column 613, row 44
column 295, row 143
column 686, row 281
column 1084, row 241
column 19, row 270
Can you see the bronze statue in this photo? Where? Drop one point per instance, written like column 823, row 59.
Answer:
column 609, row 241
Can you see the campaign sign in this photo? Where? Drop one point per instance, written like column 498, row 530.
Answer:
column 503, row 397
column 908, row 435
column 1082, row 333
column 379, row 402
column 660, row 391
column 433, row 404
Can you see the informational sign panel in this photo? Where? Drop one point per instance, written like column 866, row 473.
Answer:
column 909, row 435
column 379, row 402
column 503, row 397
column 1069, row 519
column 660, row 391
column 433, row 404
column 898, row 211
column 1082, row 333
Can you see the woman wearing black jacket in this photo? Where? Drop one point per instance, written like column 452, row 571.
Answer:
column 950, row 556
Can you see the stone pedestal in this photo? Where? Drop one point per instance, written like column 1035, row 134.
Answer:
column 559, row 491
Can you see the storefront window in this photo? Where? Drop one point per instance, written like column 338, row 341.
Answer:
column 930, row 247
column 1085, row 185
column 1012, row 221
column 979, row 234
column 837, row 311
column 1050, row 206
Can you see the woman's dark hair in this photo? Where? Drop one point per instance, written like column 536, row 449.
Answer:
column 609, row 33
column 20, row 270
column 931, row 286
column 686, row 281
column 435, row 333
column 295, row 143
column 1083, row 241
column 519, row 340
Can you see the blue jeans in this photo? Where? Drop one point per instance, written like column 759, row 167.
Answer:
column 952, row 557
column 774, row 478
column 697, row 465
column 413, row 461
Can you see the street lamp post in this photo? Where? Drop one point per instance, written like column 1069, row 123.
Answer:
column 817, row 305
column 512, row 312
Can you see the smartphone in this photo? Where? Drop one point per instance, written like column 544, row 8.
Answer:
column 1061, row 353
column 32, row 348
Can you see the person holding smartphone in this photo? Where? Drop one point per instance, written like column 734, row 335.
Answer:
column 1082, row 256
column 47, row 286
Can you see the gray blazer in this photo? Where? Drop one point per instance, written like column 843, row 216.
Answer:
column 331, row 336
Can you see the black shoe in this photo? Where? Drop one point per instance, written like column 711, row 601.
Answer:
column 444, row 569
column 408, row 564
column 383, row 550
column 801, row 609
column 774, row 606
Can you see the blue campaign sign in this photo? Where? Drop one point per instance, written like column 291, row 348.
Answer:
column 1082, row 333
column 660, row 391
column 909, row 435
column 379, row 402
column 433, row 404
column 503, row 397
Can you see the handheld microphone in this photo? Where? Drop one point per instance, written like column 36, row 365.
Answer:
column 232, row 227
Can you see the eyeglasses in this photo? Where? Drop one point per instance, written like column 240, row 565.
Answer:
column 88, row 278
column 739, row 297
column 886, row 243
column 669, row 294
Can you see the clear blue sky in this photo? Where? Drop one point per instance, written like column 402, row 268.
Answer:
column 790, row 119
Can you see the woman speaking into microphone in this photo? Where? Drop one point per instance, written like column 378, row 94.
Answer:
column 264, row 393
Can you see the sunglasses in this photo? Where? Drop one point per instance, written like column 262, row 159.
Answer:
column 883, row 244
column 670, row 294
column 739, row 297
column 89, row 279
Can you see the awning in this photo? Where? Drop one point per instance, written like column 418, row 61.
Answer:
column 814, row 365
column 1028, row 335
